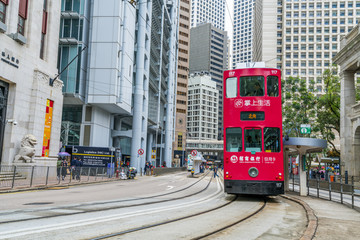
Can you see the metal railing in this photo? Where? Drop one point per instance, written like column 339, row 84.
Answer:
column 332, row 189
column 35, row 176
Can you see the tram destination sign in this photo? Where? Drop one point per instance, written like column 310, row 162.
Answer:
column 252, row 116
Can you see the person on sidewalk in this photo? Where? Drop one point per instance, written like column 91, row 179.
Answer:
column 64, row 166
column 146, row 168
column 58, row 167
column 78, row 165
column 72, row 166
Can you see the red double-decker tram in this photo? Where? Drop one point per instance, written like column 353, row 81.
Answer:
column 253, row 151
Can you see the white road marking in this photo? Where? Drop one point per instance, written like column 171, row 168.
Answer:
column 79, row 223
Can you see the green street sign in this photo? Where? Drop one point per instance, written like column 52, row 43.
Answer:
column 305, row 128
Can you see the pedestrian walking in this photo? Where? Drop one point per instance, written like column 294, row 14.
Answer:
column 64, row 166
column 215, row 172
column 58, row 167
column 72, row 166
column 146, row 168
column 78, row 165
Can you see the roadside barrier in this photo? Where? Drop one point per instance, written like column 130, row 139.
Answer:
column 331, row 190
column 36, row 176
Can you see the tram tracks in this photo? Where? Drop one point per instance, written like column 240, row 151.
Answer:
column 79, row 209
column 208, row 234
column 66, row 225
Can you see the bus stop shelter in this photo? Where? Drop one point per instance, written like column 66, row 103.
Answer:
column 302, row 146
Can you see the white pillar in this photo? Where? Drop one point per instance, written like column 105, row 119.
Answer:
column 169, row 124
column 302, row 174
column 139, row 128
column 346, row 102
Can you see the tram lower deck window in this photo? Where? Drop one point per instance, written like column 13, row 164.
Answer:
column 252, row 140
column 233, row 140
column 272, row 139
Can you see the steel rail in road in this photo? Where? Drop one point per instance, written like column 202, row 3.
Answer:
column 189, row 216
column 168, row 221
column 47, row 228
column 103, row 203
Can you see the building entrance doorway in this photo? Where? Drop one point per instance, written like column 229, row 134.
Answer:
column 4, row 88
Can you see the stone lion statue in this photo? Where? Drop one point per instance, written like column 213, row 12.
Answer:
column 27, row 149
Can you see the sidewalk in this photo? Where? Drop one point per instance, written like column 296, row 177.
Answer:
column 332, row 220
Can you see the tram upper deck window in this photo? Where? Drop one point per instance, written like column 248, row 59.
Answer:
column 233, row 140
column 273, row 86
column 272, row 139
column 231, row 87
column 252, row 140
column 252, row 86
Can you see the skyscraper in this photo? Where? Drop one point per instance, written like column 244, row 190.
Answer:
column 307, row 35
column 203, row 107
column 182, row 81
column 120, row 89
column 242, row 49
column 208, row 53
column 208, row 11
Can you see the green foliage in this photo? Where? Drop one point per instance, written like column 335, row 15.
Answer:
column 299, row 106
column 328, row 108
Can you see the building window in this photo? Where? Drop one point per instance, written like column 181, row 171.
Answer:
column 43, row 30
column 23, row 7
column 3, row 4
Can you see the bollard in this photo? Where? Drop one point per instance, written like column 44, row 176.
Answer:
column 341, row 190
column 352, row 192
column 329, row 188
column 60, row 174
column 47, row 176
column 89, row 174
column 308, row 184
column 346, row 177
column 32, row 175
column 96, row 173
column 318, row 186
column 13, row 180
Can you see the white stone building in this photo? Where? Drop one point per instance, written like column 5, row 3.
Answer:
column 29, row 104
column 202, row 120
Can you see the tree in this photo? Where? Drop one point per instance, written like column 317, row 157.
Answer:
column 299, row 106
column 328, row 109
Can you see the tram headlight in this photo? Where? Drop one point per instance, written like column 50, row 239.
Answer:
column 253, row 172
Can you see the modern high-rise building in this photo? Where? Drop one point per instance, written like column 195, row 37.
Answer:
column 120, row 89
column 208, row 11
column 30, row 96
column 242, row 47
column 208, row 53
column 182, row 81
column 203, row 107
column 307, row 35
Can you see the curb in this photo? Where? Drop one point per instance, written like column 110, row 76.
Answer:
column 312, row 218
column 52, row 187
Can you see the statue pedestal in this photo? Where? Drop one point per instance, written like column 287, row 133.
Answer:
column 41, row 167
